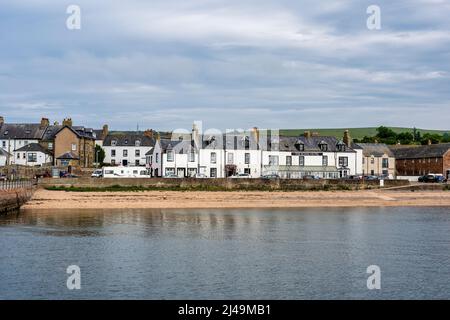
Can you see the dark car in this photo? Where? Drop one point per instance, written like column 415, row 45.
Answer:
column 431, row 178
column 311, row 177
column 270, row 176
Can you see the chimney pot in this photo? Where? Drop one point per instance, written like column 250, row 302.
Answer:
column 45, row 122
column 67, row 122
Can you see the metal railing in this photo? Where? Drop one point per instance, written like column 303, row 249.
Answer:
column 16, row 184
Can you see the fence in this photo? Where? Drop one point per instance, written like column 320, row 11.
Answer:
column 16, row 184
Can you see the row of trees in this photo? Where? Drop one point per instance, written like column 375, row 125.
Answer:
column 389, row 136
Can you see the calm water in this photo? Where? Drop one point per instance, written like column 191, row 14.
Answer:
column 227, row 254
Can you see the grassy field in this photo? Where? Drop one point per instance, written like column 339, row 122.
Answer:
column 357, row 133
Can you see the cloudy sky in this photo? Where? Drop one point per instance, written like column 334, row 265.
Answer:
column 230, row 63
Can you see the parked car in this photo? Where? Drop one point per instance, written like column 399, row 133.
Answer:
column 171, row 176
column 240, row 176
column 357, row 177
column 270, row 176
column 431, row 178
column 98, row 173
column 64, row 174
column 311, row 177
column 3, row 177
column 370, row 178
column 200, row 176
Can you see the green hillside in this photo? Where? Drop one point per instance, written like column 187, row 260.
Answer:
column 357, row 133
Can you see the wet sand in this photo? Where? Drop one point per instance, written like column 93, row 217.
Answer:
column 45, row 199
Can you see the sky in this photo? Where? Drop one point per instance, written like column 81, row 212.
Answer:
column 228, row 63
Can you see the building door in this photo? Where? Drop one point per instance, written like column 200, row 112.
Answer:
column 181, row 172
column 230, row 170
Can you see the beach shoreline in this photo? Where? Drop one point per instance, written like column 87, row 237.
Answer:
column 46, row 199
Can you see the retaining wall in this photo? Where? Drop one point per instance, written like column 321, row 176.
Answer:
column 227, row 184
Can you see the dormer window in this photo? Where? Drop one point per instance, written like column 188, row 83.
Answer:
column 300, row 145
column 323, row 146
column 340, row 146
column 114, row 143
column 6, row 132
column 27, row 131
column 137, row 143
column 247, row 142
column 126, row 141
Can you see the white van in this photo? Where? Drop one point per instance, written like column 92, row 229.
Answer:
column 126, row 172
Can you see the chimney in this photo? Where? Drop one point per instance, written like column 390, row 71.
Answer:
column 67, row 122
column 158, row 137
column 429, row 142
column 2, row 120
column 255, row 133
column 44, row 123
column 307, row 134
column 148, row 133
column 105, row 130
column 196, row 134
column 347, row 139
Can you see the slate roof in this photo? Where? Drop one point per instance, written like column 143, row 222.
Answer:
column 428, row 151
column 68, row 156
column 98, row 133
column 33, row 147
column 311, row 144
column 375, row 149
column 51, row 131
column 128, row 140
column 4, row 153
column 179, row 146
column 22, row 131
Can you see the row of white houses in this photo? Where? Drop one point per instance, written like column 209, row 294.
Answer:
column 255, row 153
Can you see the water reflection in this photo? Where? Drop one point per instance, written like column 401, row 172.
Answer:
column 221, row 254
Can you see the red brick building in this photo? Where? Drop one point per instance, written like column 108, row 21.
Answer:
column 422, row 160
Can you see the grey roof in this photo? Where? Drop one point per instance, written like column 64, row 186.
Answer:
column 51, row 131
column 311, row 144
column 84, row 132
column 22, row 131
column 375, row 149
column 237, row 141
column 417, row 152
column 33, row 147
column 81, row 132
column 98, row 133
column 179, row 146
column 128, row 140
column 68, row 156
column 4, row 153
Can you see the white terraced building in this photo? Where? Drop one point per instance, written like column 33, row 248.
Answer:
column 256, row 153
column 127, row 149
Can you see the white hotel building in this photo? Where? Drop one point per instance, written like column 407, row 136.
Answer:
column 256, row 153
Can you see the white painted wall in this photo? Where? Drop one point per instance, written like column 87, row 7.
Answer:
column 131, row 157
column 21, row 158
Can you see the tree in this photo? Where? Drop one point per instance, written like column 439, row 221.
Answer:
column 446, row 137
column 433, row 137
column 405, row 137
column 99, row 154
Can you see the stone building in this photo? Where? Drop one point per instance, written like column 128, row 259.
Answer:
column 74, row 146
column 421, row 160
column 378, row 160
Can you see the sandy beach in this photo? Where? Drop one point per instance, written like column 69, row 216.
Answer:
column 45, row 199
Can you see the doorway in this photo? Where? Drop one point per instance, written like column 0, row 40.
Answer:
column 181, row 172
